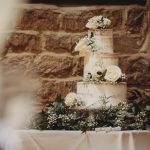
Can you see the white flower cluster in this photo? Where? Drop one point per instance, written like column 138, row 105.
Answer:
column 97, row 22
column 68, row 118
column 112, row 73
column 85, row 44
column 91, row 122
column 72, row 100
column 52, row 117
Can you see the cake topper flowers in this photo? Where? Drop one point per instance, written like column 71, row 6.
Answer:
column 90, row 42
column 98, row 22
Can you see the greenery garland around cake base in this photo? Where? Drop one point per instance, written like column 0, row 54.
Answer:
column 134, row 115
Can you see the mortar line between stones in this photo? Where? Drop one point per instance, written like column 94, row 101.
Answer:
column 63, row 79
column 62, row 7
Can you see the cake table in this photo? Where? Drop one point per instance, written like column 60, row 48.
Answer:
column 75, row 140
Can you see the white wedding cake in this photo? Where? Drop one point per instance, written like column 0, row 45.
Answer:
column 103, row 79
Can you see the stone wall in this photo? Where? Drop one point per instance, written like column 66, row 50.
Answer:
column 45, row 36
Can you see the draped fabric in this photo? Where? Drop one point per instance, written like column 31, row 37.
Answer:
column 75, row 140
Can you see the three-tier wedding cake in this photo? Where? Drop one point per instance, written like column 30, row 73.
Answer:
column 103, row 81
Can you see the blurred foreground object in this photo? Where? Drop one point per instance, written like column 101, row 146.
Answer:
column 16, row 90
column 9, row 14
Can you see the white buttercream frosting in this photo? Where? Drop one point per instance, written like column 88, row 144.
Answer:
column 94, row 94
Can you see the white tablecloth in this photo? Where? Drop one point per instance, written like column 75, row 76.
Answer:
column 75, row 140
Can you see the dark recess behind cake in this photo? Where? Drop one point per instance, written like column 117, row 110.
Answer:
column 90, row 2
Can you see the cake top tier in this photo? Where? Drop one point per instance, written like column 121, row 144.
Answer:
column 99, row 38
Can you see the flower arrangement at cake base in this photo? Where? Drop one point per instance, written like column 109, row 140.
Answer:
column 63, row 115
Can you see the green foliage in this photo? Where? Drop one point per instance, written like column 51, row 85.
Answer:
column 59, row 105
column 39, row 121
column 57, row 116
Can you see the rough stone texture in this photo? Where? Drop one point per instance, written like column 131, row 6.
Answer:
column 49, row 89
column 60, row 42
column 127, row 44
column 16, row 83
column 39, row 19
column 134, row 93
column 137, row 68
column 51, row 66
column 76, row 20
column 135, row 20
column 44, row 65
column 20, row 42
column 18, row 63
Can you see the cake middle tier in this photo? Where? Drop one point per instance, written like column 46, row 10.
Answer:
column 98, row 60
column 94, row 95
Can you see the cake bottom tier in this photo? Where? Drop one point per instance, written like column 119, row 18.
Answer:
column 95, row 95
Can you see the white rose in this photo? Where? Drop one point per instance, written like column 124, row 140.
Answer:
column 82, row 45
column 92, row 25
column 92, row 22
column 113, row 73
column 107, row 22
column 99, row 17
column 71, row 99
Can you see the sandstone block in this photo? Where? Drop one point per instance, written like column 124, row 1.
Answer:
column 137, row 93
column 76, row 20
column 137, row 68
column 19, row 42
column 52, row 66
column 39, row 19
column 49, row 89
column 135, row 20
column 18, row 63
column 127, row 44
column 60, row 42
